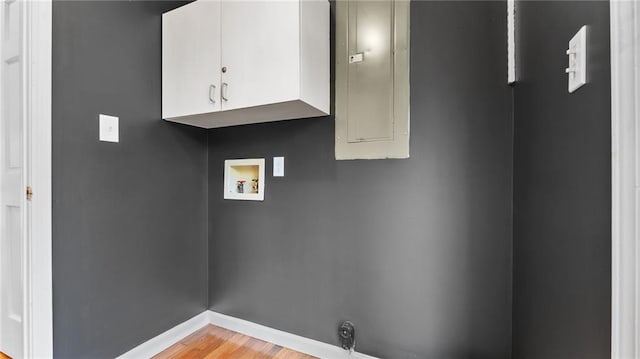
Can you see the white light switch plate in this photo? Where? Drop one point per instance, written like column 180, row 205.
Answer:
column 278, row 167
column 109, row 128
column 577, row 52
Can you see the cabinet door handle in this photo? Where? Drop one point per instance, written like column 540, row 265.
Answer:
column 212, row 93
column 223, row 93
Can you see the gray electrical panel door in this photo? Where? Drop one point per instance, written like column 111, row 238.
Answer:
column 372, row 104
column 370, row 80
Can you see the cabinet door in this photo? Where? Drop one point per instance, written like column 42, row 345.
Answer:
column 260, row 51
column 191, row 59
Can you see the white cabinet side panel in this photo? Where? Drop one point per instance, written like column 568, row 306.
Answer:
column 314, row 54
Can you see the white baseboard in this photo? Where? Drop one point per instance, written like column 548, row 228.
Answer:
column 283, row 339
column 278, row 337
column 163, row 341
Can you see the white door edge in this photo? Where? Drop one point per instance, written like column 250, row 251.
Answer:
column 625, row 176
column 39, row 325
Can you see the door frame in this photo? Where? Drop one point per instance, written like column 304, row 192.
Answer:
column 38, row 338
column 625, row 176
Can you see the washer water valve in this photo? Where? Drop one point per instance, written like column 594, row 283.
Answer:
column 347, row 335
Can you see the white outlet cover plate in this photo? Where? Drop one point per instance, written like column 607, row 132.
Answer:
column 109, row 128
column 278, row 167
column 577, row 53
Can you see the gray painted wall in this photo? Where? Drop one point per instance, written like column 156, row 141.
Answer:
column 416, row 252
column 562, row 238
column 129, row 219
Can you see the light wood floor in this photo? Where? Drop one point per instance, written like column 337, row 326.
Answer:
column 214, row 342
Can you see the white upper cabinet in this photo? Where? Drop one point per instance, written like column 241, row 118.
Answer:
column 235, row 62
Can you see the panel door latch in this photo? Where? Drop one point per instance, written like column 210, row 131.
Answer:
column 359, row 57
column 29, row 193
